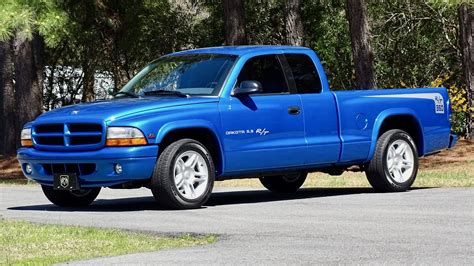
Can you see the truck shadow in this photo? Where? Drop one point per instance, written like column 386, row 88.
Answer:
column 221, row 198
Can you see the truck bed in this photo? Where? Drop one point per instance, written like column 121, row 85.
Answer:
column 361, row 113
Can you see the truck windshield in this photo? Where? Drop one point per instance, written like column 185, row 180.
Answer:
column 192, row 74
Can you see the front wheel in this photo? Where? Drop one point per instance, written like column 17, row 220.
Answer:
column 184, row 175
column 395, row 163
column 75, row 198
column 284, row 183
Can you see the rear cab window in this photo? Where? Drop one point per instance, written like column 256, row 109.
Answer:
column 304, row 73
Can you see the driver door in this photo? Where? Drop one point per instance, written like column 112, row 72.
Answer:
column 263, row 131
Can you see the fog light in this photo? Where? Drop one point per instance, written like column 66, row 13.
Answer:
column 28, row 169
column 118, row 169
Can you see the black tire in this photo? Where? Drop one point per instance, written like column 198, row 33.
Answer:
column 163, row 185
column 284, row 183
column 64, row 198
column 377, row 171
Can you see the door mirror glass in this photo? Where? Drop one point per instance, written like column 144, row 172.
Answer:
column 247, row 87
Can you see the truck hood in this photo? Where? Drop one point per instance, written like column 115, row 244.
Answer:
column 116, row 108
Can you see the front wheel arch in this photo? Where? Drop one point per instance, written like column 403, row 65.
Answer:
column 204, row 135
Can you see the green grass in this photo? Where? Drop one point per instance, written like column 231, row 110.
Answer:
column 443, row 178
column 29, row 243
column 16, row 181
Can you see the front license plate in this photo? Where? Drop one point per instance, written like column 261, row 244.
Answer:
column 66, row 182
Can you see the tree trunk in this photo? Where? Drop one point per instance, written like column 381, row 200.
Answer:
column 8, row 132
column 293, row 24
column 120, row 78
column 29, row 68
column 38, row 58
column 466, row 41
column 234, row 22
column 3, row 49
column 360, row 40
column 88, row 82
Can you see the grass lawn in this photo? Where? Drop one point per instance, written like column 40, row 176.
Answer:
column 29, row 243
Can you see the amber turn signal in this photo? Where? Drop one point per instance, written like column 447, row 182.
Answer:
column 126, row 142
column 26, row 143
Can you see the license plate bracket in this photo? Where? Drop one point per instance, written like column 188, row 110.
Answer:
column 66, row 181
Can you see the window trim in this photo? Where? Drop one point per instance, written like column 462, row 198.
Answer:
column 290, row 80
column 270, row 94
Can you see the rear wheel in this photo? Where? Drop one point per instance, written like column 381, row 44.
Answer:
column 74, row 198
column 395, row 163
column 284, row 183
column 184, row 175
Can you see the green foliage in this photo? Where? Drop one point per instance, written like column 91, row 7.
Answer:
column 450, row 2
column 208, row 26
column 265, row 22
column 413, row 42
column 459, row 123
column 416, row 45
column 327, row 32
column 15, row 18
column 22, row 18
column 458, row 100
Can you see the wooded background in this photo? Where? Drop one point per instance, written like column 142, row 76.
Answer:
column 59, row 52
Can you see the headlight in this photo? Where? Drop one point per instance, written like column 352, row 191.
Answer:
column 125, row 136
column 26, row 137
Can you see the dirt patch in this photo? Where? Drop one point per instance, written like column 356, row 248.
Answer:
column 10, row 169
column 461, row 154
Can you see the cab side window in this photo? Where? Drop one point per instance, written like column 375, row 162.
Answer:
column 304, row 73
column 267, row 70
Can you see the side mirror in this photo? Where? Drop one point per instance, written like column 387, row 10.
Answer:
column 247, row 87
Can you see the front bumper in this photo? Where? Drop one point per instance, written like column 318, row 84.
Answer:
column 137, row 164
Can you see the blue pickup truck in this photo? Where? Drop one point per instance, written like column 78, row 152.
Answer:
column 194, row 117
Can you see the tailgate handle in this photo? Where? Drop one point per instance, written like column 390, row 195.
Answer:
column 294, row 110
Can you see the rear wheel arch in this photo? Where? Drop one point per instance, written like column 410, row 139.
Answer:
column 405, row 121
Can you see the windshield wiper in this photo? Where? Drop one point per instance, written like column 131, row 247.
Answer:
column 130, row 94
column 166, row 92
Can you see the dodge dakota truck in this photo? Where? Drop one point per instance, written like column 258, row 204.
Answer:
column 194, row 117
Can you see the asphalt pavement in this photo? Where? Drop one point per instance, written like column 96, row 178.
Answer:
column 312, row 226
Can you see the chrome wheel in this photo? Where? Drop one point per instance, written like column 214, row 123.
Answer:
column 191, row 175
column 400, row 161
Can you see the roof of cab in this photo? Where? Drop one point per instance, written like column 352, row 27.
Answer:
column 240, row 50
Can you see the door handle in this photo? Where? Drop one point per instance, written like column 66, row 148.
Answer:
column 294, row 110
